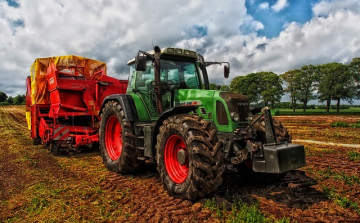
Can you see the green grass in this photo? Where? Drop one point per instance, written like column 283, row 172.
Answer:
column 240, row 212
column 347, row 179
column 344, row 202
column 345, row 124
column 339, row 124
column 285, row 111
column 354, row 156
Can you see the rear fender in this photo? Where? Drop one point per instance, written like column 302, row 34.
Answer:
column 126, row 102
column 167, row 114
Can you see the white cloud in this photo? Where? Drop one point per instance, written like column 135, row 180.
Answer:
column 113, row 31
column 322, row 40
column 108, row 30
column 251, row 2
column 264, row 6
column 279, row 5
column 325, row 7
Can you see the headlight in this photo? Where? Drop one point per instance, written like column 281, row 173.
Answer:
column 250, row 117
column 235, row 116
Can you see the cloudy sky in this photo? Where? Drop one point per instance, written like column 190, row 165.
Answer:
column 253, row 35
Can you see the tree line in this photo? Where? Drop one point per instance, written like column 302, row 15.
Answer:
column 326, row 82
column 9, row 100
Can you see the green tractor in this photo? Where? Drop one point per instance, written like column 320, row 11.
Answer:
column 169, row 116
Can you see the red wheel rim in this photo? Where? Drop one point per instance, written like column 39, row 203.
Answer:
column 113, row 139
column 176, row 171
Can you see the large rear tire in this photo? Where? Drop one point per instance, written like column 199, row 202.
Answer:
column 189, row 157
column 117, row 140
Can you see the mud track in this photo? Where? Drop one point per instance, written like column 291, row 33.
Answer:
column 86, row 191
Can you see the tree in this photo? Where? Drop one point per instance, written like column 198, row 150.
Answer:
column 216, row 87
column 307, row 83
column 292, row 79
column 224, row 88
column 270, row 88
column 10, row 100
column 345, row 87
column 354, row 67
column 247, row 85
column 19, row 99
column 3, row 96
column 213, row 86
column 264, row 86
column 326, row 82
column 336, row 82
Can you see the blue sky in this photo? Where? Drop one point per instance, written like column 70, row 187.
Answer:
column 253, row 35
column 12, row 3
column 275, row 18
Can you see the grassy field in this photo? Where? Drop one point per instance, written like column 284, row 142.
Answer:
column 350, row 111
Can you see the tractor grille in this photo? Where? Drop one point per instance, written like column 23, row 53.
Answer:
column 221, row 115
column 237, row 103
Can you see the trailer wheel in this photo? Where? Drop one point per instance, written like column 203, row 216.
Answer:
column 55, row 149
column 37, row 141
column 117, row 140
column 189, row 157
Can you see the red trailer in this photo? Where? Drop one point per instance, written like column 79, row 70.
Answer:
column 63, row 100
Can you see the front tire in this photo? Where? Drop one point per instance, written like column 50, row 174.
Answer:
column 189, row 157
column 117, row 140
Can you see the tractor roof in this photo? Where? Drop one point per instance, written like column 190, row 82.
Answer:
column 172, row 52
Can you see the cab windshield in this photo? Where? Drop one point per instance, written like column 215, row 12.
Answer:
column 181, row 74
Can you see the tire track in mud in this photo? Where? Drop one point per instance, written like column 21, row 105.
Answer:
column 147, row 201
column 11, row 121
column 296, row 196
column 19, row 118
column 21, row 163
column 143, row 195
column 11, row 173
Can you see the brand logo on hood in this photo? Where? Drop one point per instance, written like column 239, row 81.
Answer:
column 188, row 103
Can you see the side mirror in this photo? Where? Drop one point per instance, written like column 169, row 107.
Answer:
column 140, row 63
column 226, row 71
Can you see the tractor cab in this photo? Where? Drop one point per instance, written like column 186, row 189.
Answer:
column 177, row 69
column 174, row 74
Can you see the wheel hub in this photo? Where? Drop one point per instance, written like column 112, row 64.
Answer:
column 176, row 159
column 113, row 140
column 182, row 157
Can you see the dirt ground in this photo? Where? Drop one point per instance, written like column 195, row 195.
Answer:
column 38, row 187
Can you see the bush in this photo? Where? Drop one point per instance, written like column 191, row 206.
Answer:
column 340, row 124
column 333, row 106
column 283, row 105
column 4, row 103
